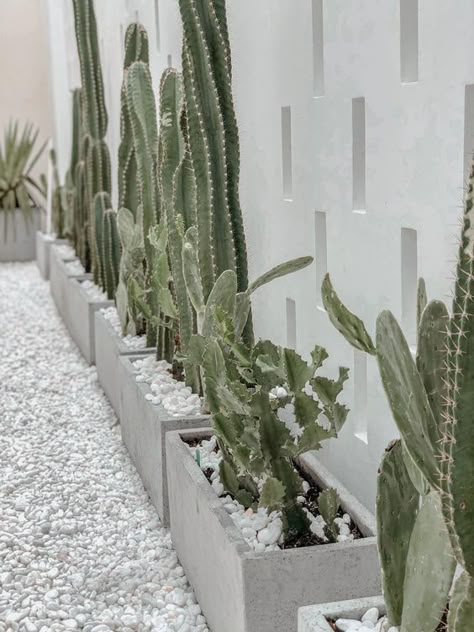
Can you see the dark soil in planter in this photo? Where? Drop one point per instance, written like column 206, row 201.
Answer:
column 294, row 541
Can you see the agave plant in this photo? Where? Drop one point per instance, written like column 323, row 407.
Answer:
column 18, row 188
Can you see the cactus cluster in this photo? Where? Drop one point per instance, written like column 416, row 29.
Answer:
column 425, row 501
column 90, row 163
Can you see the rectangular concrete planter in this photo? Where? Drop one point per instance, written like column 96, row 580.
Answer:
column 315, row 618
column 59, row 276
column 144, row 427
column 19, row 242
column 80, row 316
column 240, row 590
column 43, row 247
column 109, row 346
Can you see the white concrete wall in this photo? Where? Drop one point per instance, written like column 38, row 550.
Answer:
column 24, row 68
column 334, row 65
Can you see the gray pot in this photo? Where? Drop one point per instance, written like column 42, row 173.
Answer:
column 43, row 248
column 19, row 243
column 240, row 590
column 109, row 346
column 144, row 427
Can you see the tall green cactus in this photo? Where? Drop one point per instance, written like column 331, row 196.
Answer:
column 93, row 175
column 213, row 140
column 108, row 243
column 136, row 49
column 142, row 112
column 177, row 197
column 458, row 431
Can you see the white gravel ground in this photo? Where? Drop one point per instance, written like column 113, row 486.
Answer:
column 80, row 545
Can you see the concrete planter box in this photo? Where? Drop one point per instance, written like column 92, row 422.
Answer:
column 109, row 346
column 315, row 618
column 19, row 242
column 80, row 316
column 144, row 427
column 59, row 277
column 43, row 248
column 240, row 590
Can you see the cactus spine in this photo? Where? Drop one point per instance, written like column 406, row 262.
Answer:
column 213, row 140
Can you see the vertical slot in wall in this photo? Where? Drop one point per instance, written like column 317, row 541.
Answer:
column 137, row 15
column 320, row 252
column 358, row 155
column 360, row 394
column 157, row 26
column 287, row 163
column 290, row 323
column 409, row 41
column 468, row 129
column 409, row 276
column 318, row 49
column 170, row 61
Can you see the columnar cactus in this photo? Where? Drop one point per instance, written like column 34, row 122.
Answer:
column 142, row 112
column 94, row 155
column 213, row 140
column 177, row 197
column 431, row 402
column 136, row 49
column 107, row 243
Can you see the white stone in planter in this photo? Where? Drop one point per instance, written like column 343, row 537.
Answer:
column 315, row 618
column 19, row 243
column 144, row 427
column 109, row 346
column 241, row 590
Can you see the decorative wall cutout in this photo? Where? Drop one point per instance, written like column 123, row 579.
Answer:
column 318, row 49
column 287, row 161
column 290, row 323
column 409, row 41
column 358, row 155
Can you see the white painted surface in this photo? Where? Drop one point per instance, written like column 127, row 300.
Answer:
column 415, row 145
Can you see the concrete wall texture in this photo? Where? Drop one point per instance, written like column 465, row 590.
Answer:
column 357, row 123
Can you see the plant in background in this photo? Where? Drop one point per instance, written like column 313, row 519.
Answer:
column 213, row 142
column 425, row 502
column 18, row 187
column 92, row 170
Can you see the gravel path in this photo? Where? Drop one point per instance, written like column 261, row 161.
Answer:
column 81, row 547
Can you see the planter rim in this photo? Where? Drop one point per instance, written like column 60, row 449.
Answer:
column 123, row 348
column 177, row 440
column 88, row 277
column 316, row 616
column 144, row 388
